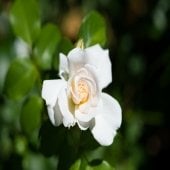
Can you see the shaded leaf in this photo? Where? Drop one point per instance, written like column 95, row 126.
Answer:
column 87, row 141
column 46, row 45
column 31, row 114
column 25, row 19
column 20, row 78
column 94, row 165
column 93, row 29
column 65, row 46
column 103, row 165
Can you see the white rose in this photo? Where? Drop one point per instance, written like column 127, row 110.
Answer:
column 78, row 98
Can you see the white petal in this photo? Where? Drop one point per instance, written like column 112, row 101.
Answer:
column 108, row 121
column 50, row 90
column 83, row 125
column 76, row 60
column 112, row 110
column 51, row 114
column 55, row 115
column 98, row 57
column 66, row 108
column 58, row 117
column 63, row 66
column 102, row 132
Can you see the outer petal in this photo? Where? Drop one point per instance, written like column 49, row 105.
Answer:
column 98, row 57
column 108, row 121
column 58, row 117
column 83, row 125
column 102, row 132
column 50, row 91
column 66, row 108
column 63, row 66
column 76, row 60
column 51, row 114
column 112, row 110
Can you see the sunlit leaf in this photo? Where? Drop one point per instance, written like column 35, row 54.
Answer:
column 46, row 45
column 76, row 165
column 93, row 29
column 31, row 114
column 25, row 19
column 20, row 78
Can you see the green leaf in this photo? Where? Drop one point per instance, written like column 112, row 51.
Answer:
column 94, row 165
column 31, row 114
column 93, row 29
column 25, row 19
column 76, row 165
column 102, row 166
column 65, row 45
column 20, row 78
column 46, row 45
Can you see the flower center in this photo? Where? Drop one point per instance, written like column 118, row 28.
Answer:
column 79, row 91
column 83, row 91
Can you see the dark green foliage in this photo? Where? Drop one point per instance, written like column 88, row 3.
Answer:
column 93, row 29
column 138, row 38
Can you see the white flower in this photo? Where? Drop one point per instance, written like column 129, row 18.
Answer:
column 78, row 98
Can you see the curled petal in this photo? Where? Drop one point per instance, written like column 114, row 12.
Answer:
column 66, row 108
column 50, row 91
column 58, row 117
column 55, row 115
column 99, row 58
column 51, row 114
column 83, row 125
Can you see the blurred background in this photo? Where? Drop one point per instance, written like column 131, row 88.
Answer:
column 138, row 38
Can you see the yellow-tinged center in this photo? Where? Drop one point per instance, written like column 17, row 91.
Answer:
column 83, row 91
column 80, row 92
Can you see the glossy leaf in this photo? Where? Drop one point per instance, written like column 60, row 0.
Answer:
column 20, row 78
column 46, row 45
column 31, row 114
column 102, row 166
column 93, row 29
column 25, row 19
